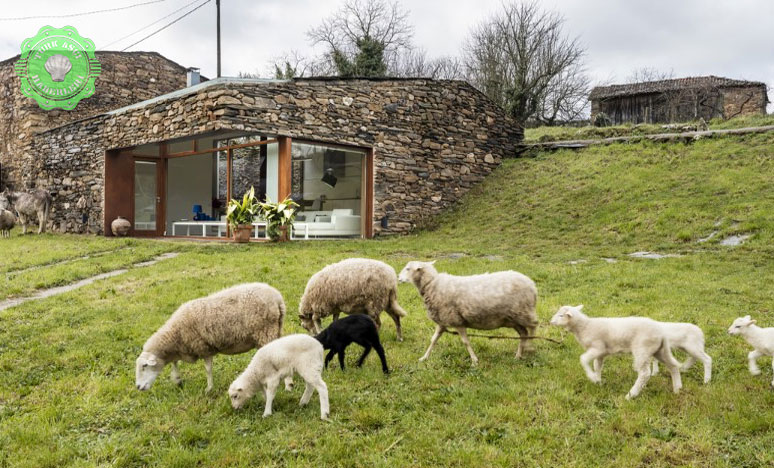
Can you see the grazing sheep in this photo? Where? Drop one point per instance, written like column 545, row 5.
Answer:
column 29, row 206
column 483, row 302
column 280, row 359
column 761, row 339
column 231, row 321
column 7, row 222
column 603, row 336
column 351, row 286
column 689, row 338
column 358, row 328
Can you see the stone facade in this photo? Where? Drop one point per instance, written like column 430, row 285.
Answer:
column 432, row 140
column 127, row 78
column 679, row 100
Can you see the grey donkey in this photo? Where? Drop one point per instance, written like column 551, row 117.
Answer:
column 29, row 206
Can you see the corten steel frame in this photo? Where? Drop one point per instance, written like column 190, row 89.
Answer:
column 119, row 180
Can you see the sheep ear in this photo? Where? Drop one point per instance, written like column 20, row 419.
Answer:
column 432, row 263
column 580, row 307
column 746, row 317
column 152, row 361
column 751, row 322
column 568, row 313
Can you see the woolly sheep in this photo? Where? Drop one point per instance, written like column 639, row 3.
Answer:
column 279, row 359
column 7, row 222
column 603, row 336
column 231, row 321
column 351, row 286
column 761, row 339
column 689, row 338
column 484, row 302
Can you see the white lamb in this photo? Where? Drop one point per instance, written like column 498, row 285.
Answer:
column 231, row 321
column 603, row 336
column 483, row 302
column 762, row 339
column 279, row 359
column 689, row 338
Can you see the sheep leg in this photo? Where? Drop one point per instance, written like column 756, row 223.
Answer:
column 772, row 367
column 643, row 375
column 336, row 316
column 697, row 353
column 523, row 346
column 313, row 381
column 598, row 363
column 366, row 350
column 289, row 382
column 322, row 390
column 176, row 374
column 466, row 342
column 308, row 391
column 751, row 362
column 398, row 331
column 341, row 359
column 586, row 358
column 664, row 355
column 271, row 389
column 382, row 357
column 329, row 357
column 208, row 368
column 654, row 367
column 438, row 332
column 377, row 320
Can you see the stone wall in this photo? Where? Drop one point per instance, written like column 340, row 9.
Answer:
column 126, row 78
column 744, row 101
column 433, row 140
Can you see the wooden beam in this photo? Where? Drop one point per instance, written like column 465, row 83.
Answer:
column 183, row 154
column 285, row 169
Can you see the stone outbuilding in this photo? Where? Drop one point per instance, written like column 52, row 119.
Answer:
column 361, row 156
column 679, row 100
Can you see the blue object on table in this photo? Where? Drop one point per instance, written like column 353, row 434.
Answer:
column 197, row 208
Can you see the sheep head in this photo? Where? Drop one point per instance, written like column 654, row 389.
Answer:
column 239, row 392
column 565, row 314
column 740, row 324
column 148, row 367
column 307, row 323
column 413, row 271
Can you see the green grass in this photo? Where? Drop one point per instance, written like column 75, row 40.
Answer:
column 66, row 363
column 559, row 133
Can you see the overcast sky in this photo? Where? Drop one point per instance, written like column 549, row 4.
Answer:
column 732, row 38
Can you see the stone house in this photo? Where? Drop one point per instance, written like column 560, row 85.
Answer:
column 361, row 156
column 679, row 100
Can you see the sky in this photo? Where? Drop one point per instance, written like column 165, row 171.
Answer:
column 731, row 38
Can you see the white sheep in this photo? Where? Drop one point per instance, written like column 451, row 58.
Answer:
column 761, row 339
column 483, row 302
column 7, row 222
column 689, row 338
column 603, row 336
column 231, row 321
column 279, row 359
column 351, row 286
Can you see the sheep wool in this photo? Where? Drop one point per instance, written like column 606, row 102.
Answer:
column 278, row 360
column 689, row 338
column 7, row 222
column 232, row 321
column 761, row 339
column 483, row 302
column 351, row 286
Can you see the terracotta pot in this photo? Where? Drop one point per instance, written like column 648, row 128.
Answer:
column 284, row 234
column 120, row 226
column 243, row 233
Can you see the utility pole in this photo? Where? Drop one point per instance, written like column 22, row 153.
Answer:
column 217, row 5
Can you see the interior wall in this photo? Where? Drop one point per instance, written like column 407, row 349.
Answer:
column 190, row 182
column 272, row 170
column 346, row 193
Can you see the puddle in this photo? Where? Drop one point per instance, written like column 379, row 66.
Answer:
column 705, row 239
column 494, row 258
column 84, row 282
column 653, row 255
column 733, row 241
column 576, row 262
column 609, row 260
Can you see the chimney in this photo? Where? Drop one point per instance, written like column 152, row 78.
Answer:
column 192, row 76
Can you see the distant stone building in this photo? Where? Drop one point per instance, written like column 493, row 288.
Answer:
column 679, row 100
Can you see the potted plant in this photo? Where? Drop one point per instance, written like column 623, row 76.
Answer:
column 240, row 214
column 279, row 218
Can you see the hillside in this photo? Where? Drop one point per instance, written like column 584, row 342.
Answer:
column 568, row 219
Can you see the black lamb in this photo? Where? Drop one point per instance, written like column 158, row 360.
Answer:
column 358, row 328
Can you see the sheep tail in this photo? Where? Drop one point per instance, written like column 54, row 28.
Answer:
column 394, row 306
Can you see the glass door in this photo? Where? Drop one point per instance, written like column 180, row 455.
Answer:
column 147, row 199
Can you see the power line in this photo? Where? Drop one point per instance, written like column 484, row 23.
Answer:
column 93, row 12
column 149, row 25
column 165, row 26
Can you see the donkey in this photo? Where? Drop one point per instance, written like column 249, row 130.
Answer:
column 29, row 206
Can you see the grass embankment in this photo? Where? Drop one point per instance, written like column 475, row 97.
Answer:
column 66, row 363
column 541, row 134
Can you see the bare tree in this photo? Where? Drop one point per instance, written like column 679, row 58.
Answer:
column 360, row 22
column 518, row 58
column 641, row 75
column 416, row 64
column 566, row 98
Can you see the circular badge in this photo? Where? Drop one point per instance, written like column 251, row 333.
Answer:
column 57, row 68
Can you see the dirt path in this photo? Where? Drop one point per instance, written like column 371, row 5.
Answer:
column 44, row 293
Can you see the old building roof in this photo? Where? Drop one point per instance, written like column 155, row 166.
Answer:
column 648, row 87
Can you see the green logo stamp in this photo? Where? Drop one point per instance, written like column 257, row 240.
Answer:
column 58, row 68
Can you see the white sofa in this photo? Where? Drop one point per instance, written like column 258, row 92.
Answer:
column 335, row 223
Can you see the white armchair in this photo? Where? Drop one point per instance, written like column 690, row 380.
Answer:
column 335, row 223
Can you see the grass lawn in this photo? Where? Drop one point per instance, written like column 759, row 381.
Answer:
column 67, row 394
column 591, row 133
